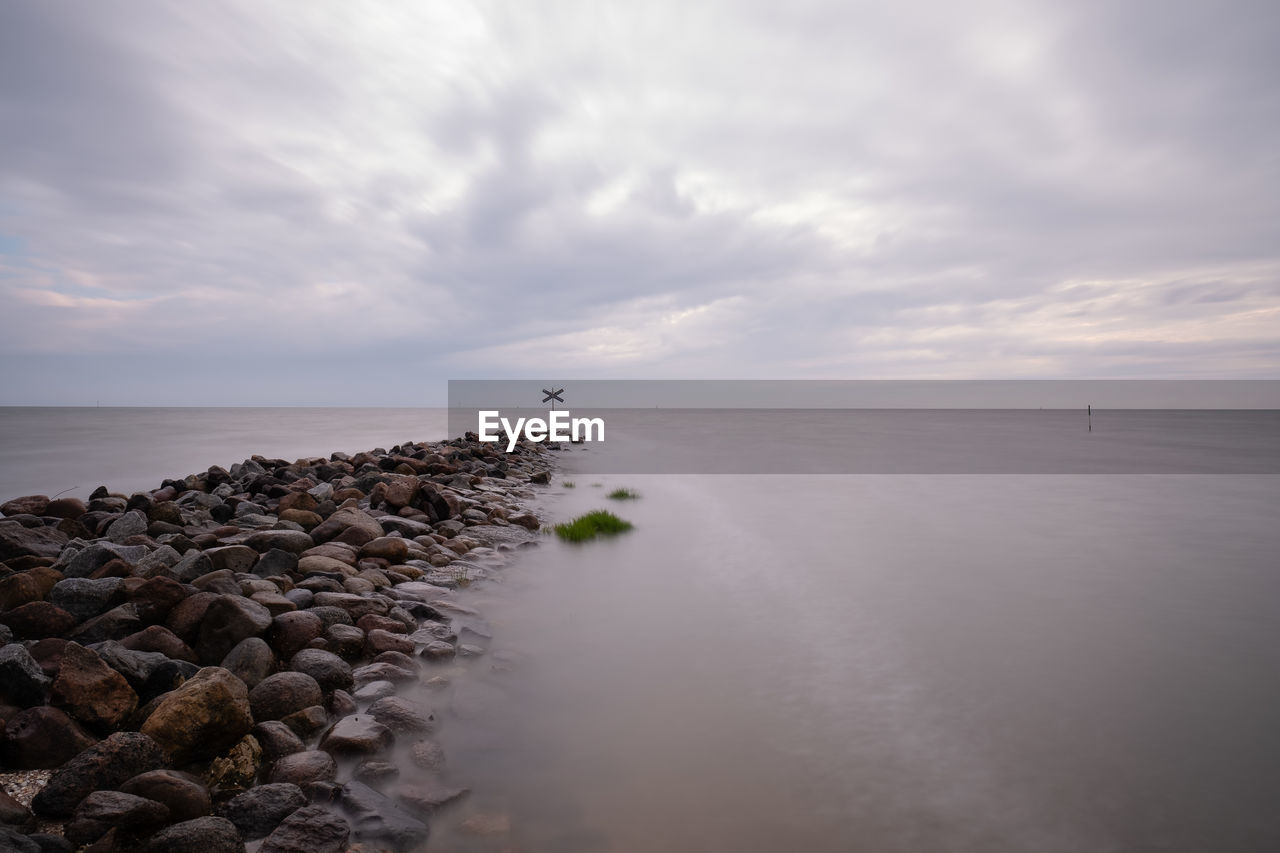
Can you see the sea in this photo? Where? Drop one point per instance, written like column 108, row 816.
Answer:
column 1058, row 656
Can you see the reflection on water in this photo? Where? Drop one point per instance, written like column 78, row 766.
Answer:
column 885, row 664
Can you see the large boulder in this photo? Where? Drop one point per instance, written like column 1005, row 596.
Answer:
column 202, row 718
column 356, row 735
column 379, row 819
column 330, row 671
column 92, row 692
column 251, row 661
column 346, row 519
column 25, row 505
column 19, row 541
column 105, row 765
column 293, row 541
column 93, row 557
column 301, row 768
column 228, row 620
column 37, row 620
column 402, row 715
column 292, row 632
column 184, row 795
column 104, row 810
column 84, row 598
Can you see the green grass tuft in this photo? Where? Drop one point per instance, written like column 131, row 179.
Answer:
column 623, row 495
column 593, row 524
column 568, row 484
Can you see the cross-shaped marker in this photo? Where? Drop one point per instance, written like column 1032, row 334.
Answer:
column 552, row 395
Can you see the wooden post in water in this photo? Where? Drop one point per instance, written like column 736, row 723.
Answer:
column 1090, row 408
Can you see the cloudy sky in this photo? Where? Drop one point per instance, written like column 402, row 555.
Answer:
column 349, row 203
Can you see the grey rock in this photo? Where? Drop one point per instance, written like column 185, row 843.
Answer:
column 105, row 765
column 403, row 715
column 95, row 556
column 251, row 661
column 193, row 564
column 356, row 735
column 22, row 681
column 84, row 598
column 257, row 812
column 284, row 693
column 330, row 671
column 377, row 818
column 202, row 835
column 104, row 810
column 303, row 767
column 132, row 523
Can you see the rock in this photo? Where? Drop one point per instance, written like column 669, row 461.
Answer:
column 157, row 597
column 238, row 769
column 13, row 841
column 342, row 704
column 37, row 620
column 303, row 767
column 14, row 814
column 375, row 690
column 202, row 718
column 257, row 812
column 402, row 715
column 430, row 795
column 379, row 641
column 228, row 620
column 116, row 624
column 130, row 524
column 311, row 829
column 345, row 641
column 355, row 605
column 527, row 520
column 157, row 638
column 393, row 548
column 19, row 541
column 427, row 754
column 95, row 556
column 202, row 835
column 183, row 794
column 293, row 632
column 279, row 695
column 375, row 772
column 251, row 661
column 43, row 738
column 540, row 477
column 330, row 671
column 65, row 508
column 104, row 810
column 344, row 520
column 293, row 541
column 22, row 682
column 321, row 564
column 27, row 505
column 356, row 735
column 92, row 692
column 105, row 765
column 19, row 589
column 275, row 562
column 84, row 598
column 438, row 650
column 377, row 818
column 193, row 564
column 277, row 740
column 382, row 672
column 236, row 558
column 308, row 721
column 185, row 617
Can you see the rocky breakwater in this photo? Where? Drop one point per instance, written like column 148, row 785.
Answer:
column 217, row 661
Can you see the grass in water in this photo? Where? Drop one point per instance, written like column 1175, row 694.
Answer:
column 589, row 526
column 623, row 494
column 596, row 485
column 568, row 484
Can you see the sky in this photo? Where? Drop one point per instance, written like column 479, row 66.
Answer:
column 351, row 203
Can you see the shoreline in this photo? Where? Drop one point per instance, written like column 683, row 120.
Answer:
column 224, row 660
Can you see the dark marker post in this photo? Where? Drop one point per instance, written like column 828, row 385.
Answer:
column 1090, row 408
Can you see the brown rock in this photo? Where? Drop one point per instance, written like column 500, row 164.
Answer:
column 228, row 620
column 185, row 617
column 158, row 638
column 302, row 767
column 28, row 505
column 379, row 641
column 393, row 548
column 238, row 769
column 37, row 620
column 284, row 693
column 92, row 692
column 202, row 718
column 184, row 795
column 43, row 737
column 292, row 632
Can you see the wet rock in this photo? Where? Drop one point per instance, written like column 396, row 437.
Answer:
column 22, row 681
column 293, row 632
column 392, row 548
column 251, row 661
column 344, row 520
column 379, row 819
column 43, row 738
column 322, row 564
column 382, row 672
column 379, row 641
column 402, row 715
column 104, row 810
column 193, row 564
column 157, row 597
column 356, row 735
column 238, row 769
column 429, row 795
column 355, row 605
column 303, row 767
column 311, row 829
column 37, row 620
column 185, row 617
column 342, row 704
column 330, row 671
column 19, row 541
column 19, row 589
column 427, row 754
column 438, row 650
column 228, row 620
column 375, row 772
column 308, row 721
column 183, row 794
column 157, row 638
column 203, row 717
column 84, row 598
column 105, row 765
column 202, row 835
column 375, row 690
column 284, row 693
column 257, row 812
column 92, row 692
column 277, row 740
column 345, row 641
column 116, row 624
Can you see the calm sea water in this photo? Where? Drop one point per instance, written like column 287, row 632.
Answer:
column 914, row 662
